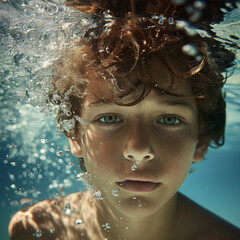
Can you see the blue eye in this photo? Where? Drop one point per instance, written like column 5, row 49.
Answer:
column 110, row 119
column 169, row 120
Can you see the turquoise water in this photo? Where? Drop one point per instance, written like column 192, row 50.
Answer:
column 35, row 161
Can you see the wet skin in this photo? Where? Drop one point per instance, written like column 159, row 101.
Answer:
column 158, row 137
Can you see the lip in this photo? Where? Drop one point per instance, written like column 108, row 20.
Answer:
column 139, row 185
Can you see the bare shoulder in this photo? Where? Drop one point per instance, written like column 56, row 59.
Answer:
column 51, row 219
column 204, row 224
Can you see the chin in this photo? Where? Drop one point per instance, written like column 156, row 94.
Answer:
column 139, row 207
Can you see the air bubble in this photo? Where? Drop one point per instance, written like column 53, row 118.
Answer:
column 85, row 22
column 42, row 151
column 12, row 177
column 191, row 31
column 69, row 124
column 79, row 221
column 38, row 233
column 67, row 148
column 171, row 20
column 195, row 16
column 161, row 19
column 190, row 49
column 59, row 153
column 43, row 141
column 134, row 167
column 199, row 4
column 106, row 226
column 155, row 16
column 98, row 195
column 199, row 58
column 67, row 210
column 14, row 164
column 115, row 192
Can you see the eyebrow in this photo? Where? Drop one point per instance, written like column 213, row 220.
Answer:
column 171, row 102
column 101, row 102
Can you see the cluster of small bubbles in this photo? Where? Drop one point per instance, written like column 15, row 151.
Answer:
column 98, row 195
column 38, row 233
column 106, row 226
column 66, row 148
column 115, row 192
column 36, row 26
column 52, row 230
column 195, row 10
column 190, row 30
column 59, row 153
column 79, row 221
column 68, row 124
column 68, row 211
column 14, row 164
column 135, row 165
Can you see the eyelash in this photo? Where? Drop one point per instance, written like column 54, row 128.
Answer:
column 177, row 120
column 116, row 118
column 162, row 120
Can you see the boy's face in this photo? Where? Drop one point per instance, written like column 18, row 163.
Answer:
column 142, row 153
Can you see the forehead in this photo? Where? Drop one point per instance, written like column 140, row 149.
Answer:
column 102, row 89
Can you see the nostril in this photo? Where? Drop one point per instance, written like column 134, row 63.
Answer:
column 148, row 157
column 130, row 157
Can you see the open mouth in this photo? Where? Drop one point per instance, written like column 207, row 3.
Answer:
column 139, row 186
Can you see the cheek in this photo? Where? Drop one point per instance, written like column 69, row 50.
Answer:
column 177, row 149
column 99, row 151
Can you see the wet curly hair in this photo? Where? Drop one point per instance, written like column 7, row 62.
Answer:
column 128, row 36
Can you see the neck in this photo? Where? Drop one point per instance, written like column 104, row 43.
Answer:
column 157, row 225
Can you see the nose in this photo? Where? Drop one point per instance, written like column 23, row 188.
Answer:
column 138, row 147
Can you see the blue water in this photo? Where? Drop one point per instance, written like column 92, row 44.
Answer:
column 35, row 163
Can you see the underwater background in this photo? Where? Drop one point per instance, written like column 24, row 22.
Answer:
column 35, row 159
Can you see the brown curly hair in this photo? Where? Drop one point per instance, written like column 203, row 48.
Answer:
column 129, row 34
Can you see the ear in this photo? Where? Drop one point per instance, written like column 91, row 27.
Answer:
column 75, row 147
column 200, row 152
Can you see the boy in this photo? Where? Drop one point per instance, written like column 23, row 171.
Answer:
column 138, row 109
